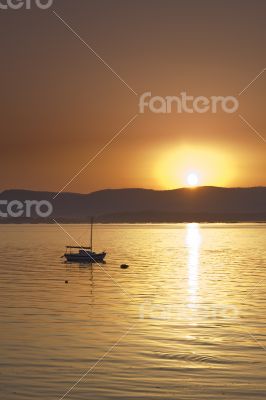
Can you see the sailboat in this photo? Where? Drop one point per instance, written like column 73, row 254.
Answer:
column 85, row 253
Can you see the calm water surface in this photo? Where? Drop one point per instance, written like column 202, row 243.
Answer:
column 186, row 321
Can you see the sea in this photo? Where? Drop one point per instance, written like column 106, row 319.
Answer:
column 185, row 320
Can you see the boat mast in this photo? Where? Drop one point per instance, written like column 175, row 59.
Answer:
column 91, row 232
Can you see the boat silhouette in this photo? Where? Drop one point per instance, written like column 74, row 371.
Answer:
column 85, row 253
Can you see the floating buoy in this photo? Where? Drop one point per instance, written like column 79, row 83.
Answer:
column 124, row 266
column 66, row 281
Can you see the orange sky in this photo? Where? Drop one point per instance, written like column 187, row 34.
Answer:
column 60, row 104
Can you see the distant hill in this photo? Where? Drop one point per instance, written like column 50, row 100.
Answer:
column 143, row 205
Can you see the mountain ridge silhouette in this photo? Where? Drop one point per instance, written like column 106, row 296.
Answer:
column 139, row 204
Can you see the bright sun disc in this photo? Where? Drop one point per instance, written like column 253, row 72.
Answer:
column 192, row 179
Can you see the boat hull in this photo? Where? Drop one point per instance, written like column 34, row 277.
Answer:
column 86, row 258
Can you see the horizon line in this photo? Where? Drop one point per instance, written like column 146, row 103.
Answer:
column 194, row 188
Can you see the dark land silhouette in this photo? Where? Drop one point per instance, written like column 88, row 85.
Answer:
column 202, row 204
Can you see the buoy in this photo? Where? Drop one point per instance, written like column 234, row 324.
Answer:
column 124, row 266
column 66, row 281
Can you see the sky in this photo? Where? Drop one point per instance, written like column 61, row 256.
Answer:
column 71, row 81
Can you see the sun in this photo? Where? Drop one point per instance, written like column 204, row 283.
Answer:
column 192, row 179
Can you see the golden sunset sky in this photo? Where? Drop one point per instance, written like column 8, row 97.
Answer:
column 60, row 104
